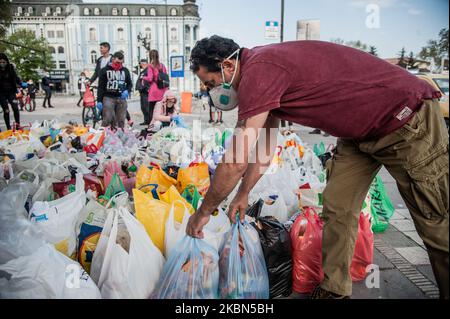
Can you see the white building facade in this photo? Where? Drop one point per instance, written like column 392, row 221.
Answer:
column 74, row 30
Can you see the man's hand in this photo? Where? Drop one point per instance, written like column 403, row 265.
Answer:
column 238, row 205
column 196, row 223
column 100, row 106
column 124, row 95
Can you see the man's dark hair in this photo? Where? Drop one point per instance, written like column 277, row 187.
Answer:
column 106, row 44
column 209, row 52
column 118, row 55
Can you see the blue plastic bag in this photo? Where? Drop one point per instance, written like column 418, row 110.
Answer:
column 179, row 121
column 243, row 272
column 191, row 272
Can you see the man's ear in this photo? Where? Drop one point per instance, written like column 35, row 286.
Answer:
column 229, row 65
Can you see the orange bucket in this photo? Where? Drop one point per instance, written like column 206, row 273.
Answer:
column 186, row 102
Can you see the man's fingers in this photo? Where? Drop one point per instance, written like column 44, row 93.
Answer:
column 242, row 211
column 232, row 213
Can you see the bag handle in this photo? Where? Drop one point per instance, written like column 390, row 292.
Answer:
column 108, row 205
column 153, row 191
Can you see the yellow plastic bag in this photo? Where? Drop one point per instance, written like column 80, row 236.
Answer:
column 198, row 175
column 172, row 196
column 80, row 130
column 152, row 213
column 145, row 176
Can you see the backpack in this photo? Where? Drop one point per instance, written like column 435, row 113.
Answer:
column 163, row 80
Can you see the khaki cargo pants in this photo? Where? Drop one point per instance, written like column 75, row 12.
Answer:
column 416, row 155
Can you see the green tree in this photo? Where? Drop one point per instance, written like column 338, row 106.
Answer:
column 29, row 53
column 357, row 45
column 411, row 60
column 402, row 61
column 5, row 16
column 373, row 50
column 436, row 49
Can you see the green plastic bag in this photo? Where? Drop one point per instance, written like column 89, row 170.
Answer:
column 115, row 187
column 319, row 149
column 192, row 196
column 381, row 206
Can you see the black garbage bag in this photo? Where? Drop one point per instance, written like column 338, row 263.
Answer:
column 276, row 245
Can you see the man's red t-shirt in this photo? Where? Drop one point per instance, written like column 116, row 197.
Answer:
column 340, row 90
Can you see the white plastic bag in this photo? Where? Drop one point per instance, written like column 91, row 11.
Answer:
column 215, row 230
column 57, row 219
column 46, row 274
column 174, row 231
column 274, row 205
column 121, row 274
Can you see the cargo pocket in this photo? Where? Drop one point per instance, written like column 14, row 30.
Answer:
column 414, row 128
column 429, row 186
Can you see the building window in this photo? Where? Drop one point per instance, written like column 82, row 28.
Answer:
column 52, row 50
column 48, row 10
column 86, row 11
column 60, row 50
column 148, row 33
column 187, row 33
column 62, row 64
column 120, row 34
column 173, row 34
column 60, row 34
column 92, row 34
column 58, row 10
column 50, row 34
column 173, row 12
column 30, row 10
column 114, row 11
column 142, row 11
column 93, row 57
column 53, row 64
column 195, row 33
column 97, row 11
column 152, row 12
column 19, row 10
column 124, row 11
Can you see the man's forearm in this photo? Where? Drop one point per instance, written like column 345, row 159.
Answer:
column 226, row 177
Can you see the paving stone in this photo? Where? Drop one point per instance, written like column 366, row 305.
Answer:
column 393, row 285
column 403, row 225
column 427, row 271
column 415, row 255
column 415, row 236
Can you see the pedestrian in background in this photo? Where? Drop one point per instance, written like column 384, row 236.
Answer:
column 46, row 86
column 9, row 82
column 32, row 90
column 114, row 85
column 81, row 87
column 155, row 94
column 143, row 88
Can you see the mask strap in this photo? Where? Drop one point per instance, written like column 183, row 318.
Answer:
column 234, row 74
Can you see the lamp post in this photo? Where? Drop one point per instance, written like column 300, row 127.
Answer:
column 167, row 32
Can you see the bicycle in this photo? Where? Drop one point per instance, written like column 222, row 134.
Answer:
column 90, row 115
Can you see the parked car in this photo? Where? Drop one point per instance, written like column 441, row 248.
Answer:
column 439, row 82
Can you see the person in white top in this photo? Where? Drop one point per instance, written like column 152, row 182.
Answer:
column 81, row 87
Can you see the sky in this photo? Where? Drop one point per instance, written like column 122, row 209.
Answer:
column 402, row 23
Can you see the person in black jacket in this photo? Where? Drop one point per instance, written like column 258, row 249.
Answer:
column 143, row 87
column 46, row 86
column 9, row 82
column 102, row 62
column 114, row 85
